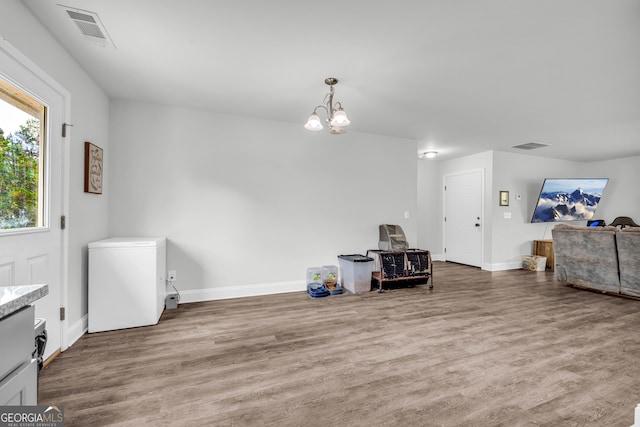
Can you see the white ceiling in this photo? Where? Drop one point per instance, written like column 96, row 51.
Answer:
column 458, row 76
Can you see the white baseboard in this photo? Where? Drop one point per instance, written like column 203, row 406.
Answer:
column 227, row 292
column 77, row 330
column 514, row 265
column 437, row 257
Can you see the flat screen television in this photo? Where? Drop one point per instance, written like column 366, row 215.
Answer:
column 568, row 199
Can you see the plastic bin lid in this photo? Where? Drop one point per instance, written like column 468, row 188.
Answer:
column 355, row 258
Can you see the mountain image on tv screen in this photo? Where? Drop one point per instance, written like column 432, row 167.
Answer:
column 570, row 199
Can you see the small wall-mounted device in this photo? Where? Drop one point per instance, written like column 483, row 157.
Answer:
column 171, row 301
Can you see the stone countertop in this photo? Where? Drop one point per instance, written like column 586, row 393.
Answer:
column 13, row 298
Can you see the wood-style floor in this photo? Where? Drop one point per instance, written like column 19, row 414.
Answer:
column 511, row 348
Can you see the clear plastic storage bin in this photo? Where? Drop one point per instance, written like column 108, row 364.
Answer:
column 356, row 272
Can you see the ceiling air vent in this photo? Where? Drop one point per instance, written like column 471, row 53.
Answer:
column 90, row 26
column 530, row 146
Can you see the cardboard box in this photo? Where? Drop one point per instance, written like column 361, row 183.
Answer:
column 534, row 262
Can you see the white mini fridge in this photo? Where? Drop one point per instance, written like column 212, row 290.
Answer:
column 127, row 286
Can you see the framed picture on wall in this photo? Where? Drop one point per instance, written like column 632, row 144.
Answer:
column 92, row 168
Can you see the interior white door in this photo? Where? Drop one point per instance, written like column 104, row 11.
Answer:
column 463, row 217
column 38, row 255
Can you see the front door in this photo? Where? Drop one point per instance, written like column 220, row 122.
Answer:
column 463, row 218
column 35, row 253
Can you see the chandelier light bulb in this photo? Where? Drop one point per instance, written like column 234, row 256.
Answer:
column 340, row 118
column 314, row 123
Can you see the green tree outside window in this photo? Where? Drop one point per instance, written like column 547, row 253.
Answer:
column 19, row 169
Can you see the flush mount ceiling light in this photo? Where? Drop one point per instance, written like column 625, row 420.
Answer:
column 336, row 117
column 428, row 155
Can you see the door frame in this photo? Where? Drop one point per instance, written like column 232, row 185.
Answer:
column 483, row 221
column 32, row 68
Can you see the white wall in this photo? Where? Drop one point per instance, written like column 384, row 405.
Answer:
column 248, row 202
column 523, row 175
column 506, row 240
column 621, row 197
column 87, row 216
column 429, row 218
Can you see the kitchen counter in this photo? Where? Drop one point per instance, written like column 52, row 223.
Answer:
column 18, row 368
column 13, row 298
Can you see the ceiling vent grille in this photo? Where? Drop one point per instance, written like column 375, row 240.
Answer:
column 90, row 26
column 530, row 146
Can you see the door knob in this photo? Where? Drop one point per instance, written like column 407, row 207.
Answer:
column 477, row 225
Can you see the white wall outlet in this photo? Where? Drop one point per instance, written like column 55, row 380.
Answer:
column 507, row 215
column 406, row 214
column 172, row 275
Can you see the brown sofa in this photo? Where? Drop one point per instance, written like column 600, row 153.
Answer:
column 600, row 258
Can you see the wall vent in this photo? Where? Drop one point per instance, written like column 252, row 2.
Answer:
column 530, row 146
column 90, row 26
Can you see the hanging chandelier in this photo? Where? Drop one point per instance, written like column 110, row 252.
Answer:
column 336, row 117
